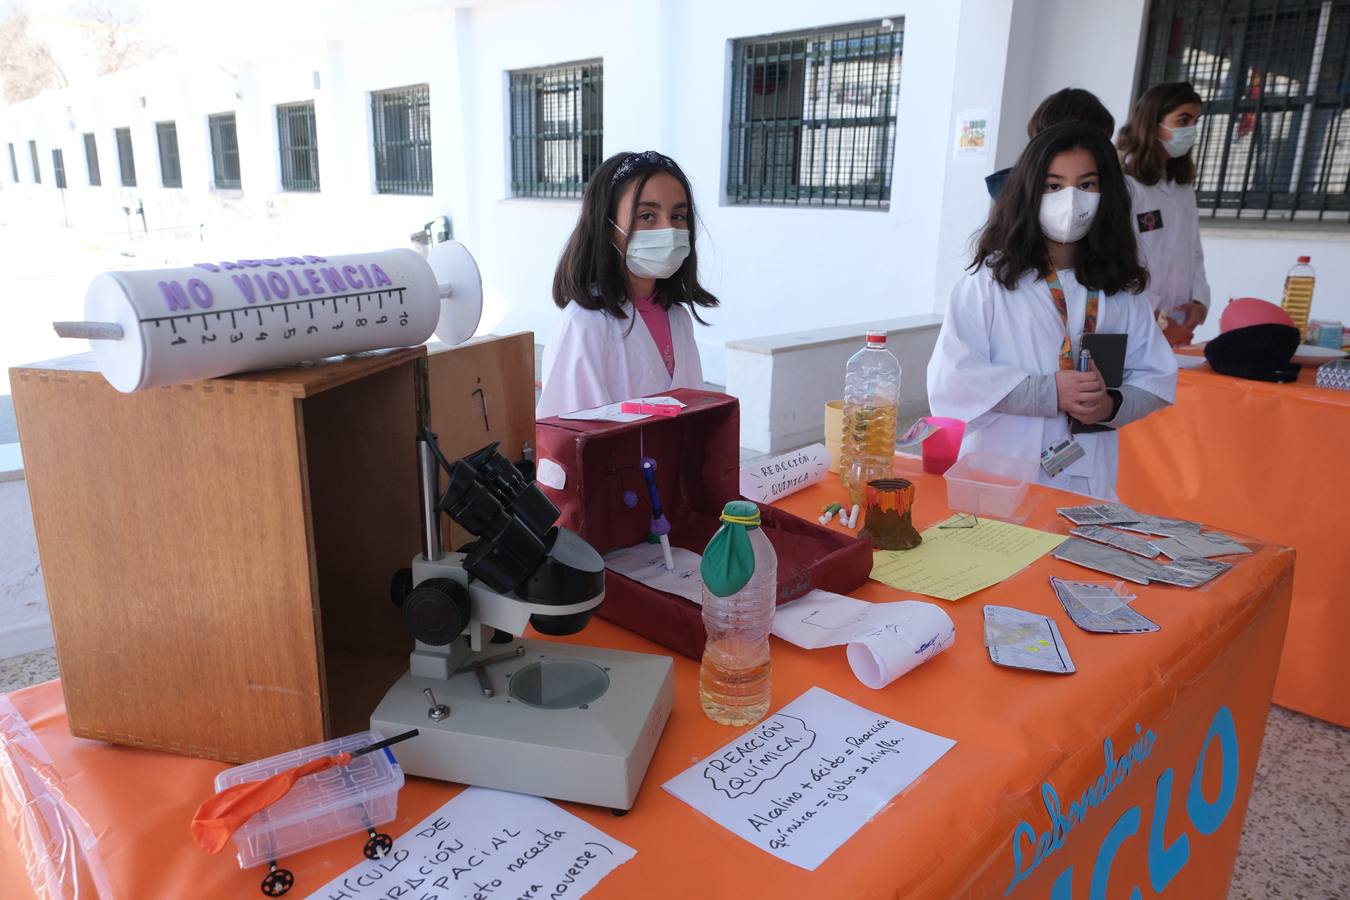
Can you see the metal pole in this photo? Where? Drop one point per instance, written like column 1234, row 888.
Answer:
column 428, row 470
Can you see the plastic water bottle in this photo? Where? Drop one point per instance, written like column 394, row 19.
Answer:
column 871, row 407
column 734, row 681
column 1298, row 293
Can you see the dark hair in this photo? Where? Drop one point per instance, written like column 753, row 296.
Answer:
column 1012, row 241
column 1070, row 105
column 591, row 272
column 1145, row 157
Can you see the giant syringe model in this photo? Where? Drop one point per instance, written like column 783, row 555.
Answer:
column 162, row 326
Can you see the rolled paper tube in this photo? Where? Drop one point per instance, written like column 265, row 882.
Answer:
column 889, row 522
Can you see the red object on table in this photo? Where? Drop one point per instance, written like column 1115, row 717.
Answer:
column 1200, row 687
column 1269, row 460
column 698, row 468
column 649, row 409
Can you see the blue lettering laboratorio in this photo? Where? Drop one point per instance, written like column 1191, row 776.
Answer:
column 1165, row 858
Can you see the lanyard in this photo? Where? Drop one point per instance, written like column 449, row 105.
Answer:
column 1066, row 360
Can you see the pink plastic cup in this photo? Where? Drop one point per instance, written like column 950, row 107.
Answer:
column 942, row 447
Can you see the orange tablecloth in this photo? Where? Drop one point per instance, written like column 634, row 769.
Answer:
column 1269, row 460
column 1193, row 695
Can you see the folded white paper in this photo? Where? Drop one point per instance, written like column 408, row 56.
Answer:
column 613, row 412
column 884, row 640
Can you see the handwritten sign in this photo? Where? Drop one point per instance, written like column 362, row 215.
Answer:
column 487, row 844
column 804, row 780
column 952, row 563
column 773, row 479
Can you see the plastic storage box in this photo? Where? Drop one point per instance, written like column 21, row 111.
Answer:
column 989, row 485
column 322, row 807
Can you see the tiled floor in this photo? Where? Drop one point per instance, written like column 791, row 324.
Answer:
column 1296, row 842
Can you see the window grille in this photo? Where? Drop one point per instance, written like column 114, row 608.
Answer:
column 298, row 143
column 401, row 121
column 1274, row 77
column 813, row 116
column 556, row 129
column 224, row 151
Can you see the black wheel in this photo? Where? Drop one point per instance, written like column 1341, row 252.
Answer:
column 277, row 882
column 436, row 611
column 400, row 586
column 618, row 813
column 378, row 846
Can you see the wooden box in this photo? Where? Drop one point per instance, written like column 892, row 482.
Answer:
column 217, row 555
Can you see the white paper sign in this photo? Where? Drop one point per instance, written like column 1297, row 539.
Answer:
column 885, row 640
column 613, row 412
column 773, row 479
column 647, row 564
column 486, row 843
column 804, row 780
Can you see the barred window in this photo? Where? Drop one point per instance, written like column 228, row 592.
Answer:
column 298, row 141
column 59, row 169
column 126, row 163
column 813, row 116
column 401, row 121
column 37, row 170
column 224, row 152
column 1274, row 76
column 91, row 160
column 556, row 129
column 13, row 163
column 170, row 172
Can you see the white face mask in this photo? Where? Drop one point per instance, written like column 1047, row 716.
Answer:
column 1181, row 141
column 1067, row 214
column 656, row 252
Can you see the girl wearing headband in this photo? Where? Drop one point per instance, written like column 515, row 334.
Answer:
column 627, row 285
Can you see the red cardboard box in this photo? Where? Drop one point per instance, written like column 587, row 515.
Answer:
column 697, row 457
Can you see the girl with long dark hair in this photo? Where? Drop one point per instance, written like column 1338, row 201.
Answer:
column 1155, row 148
column 628, row 288
column 1056, row 260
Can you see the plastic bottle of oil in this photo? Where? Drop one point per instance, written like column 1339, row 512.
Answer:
column 871, row 406
column 1298, row 293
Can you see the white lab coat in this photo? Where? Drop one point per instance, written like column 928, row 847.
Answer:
column 992, row 338
column 1172, row 253
column 592, row 359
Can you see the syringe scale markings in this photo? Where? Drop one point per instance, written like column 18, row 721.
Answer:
column 206, row 315
column 310, row 300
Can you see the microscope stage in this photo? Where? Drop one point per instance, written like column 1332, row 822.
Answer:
column 566, row 722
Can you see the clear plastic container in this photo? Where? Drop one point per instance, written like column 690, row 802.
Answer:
column 322, row 807
column 735, row 677
column 871, row 407
column 989, row 485
column 1298, row 293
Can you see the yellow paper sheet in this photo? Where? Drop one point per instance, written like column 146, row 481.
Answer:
column 952, row 563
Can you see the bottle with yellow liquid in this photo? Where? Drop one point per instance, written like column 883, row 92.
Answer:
column 871, row 407
column 1298, row 293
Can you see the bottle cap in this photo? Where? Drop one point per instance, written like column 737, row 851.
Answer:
column 1305, row 259
column 876, row 337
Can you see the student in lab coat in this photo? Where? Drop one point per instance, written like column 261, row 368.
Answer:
column 1155, row 147
column 1056, row 258
column 628, row 288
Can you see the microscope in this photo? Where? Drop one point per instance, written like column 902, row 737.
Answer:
column 553, row 719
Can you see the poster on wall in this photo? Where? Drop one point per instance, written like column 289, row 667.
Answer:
column 972, row 133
